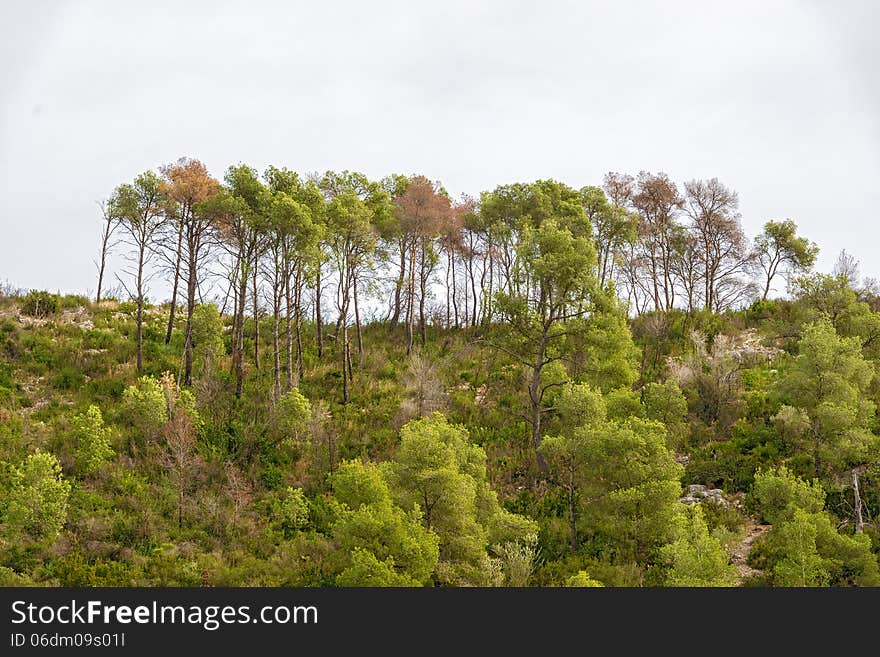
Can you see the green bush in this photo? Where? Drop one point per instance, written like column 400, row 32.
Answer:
column 40, row 303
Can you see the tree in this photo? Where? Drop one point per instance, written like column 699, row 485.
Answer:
column 424, row 211
column 697, row 558
column 189, row 186
column 140, row 208
column 207, row 337
column 657, row 202
column 613, row 224
column 109, row 225
column 582, row 411
column 240, row 219
column 353, row 204
column 551, row 288
column 297, row 213
column 181, row 456
column 385, row 544
column 582, row 579
column 804, row 548
column 778, row 248
column 847, row 267
column 827, row 383
column 38, row 498
column 439, row 470
column 93, row 448
column 630, row 489
column 722, row 246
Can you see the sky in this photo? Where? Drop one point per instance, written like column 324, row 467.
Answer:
column 779, row 100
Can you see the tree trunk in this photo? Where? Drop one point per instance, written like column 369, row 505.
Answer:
column 454, row 289
column 572, row 518
column 411, row 293
column 297, row 312
column 398, row 287
column 357, row 322
column 176, row 281
column 140, row 309
column 190, row 307
column 345, row 362
column 423, row 276
column 318, row 331
column 289, row 311
column 276, row 343
column 858, row 501
column 256, row 319
column 238, row 321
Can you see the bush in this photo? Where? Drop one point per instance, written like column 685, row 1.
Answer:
column 39, row 303
column 92, row 440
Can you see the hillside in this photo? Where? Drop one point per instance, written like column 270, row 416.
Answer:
column 675, row 449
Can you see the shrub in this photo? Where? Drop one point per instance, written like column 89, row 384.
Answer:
column 39, row 303
column 92, row 440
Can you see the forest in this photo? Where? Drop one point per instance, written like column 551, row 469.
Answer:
column 357, row 382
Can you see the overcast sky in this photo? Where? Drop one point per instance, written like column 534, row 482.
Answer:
column 779, row 100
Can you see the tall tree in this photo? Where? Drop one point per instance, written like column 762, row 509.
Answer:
column 829, row 413
column 188, row 185
column 722, row 246
column 243, row 233
column 657, row 202
column 778, row 248
column 352, row 238
column 109, row 224
column 552, row 287
column 424, row 210
column 613, row 224
column 140, row 207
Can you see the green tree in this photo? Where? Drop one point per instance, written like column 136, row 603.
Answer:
column 139, row 208
column 826, row 384
column 207, row 337
column 439, row 470
column 778, row 248
column 631, row 488
column 93, row 448
column 801, row 564
column 696, row 558
column 666, row 403
column 582, row 579
column 38, row 498
column 389, row 539
column 551, row 286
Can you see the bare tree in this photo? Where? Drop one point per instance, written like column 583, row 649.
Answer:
column 722, row 250
column 109, row 226
column 657, row 202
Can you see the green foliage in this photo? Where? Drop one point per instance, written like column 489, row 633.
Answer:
column 697, row 558
column 369, row 521
column 666, row 403
column 207, row 337
column 800, row 563
column 290, row 512
column 93, row 448
column 828, row 414
column 777, row 493
column 438, row 470
column 293, row 414
column 144, row 406
column 37, row 500
column 39, row 303
column 582, row 579
column 366, row 570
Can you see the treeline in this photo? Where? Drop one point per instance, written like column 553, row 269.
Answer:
column 322, row 248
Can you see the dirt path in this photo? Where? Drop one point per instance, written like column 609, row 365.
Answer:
column 739, row 551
